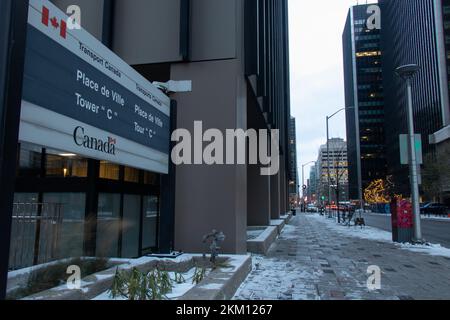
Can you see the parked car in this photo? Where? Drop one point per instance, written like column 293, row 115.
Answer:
column 435, row 209
column 422, row 205
column 312, row 208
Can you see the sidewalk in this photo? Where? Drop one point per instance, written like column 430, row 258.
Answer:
column 315, row 258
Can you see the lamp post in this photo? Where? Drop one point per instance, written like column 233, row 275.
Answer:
column 407, row 72
column 328, row 152
column 303, row 183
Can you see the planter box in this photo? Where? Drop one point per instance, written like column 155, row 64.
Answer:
column 262, row 243
column 221, row 283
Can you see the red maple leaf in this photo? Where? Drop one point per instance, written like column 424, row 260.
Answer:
column 54, row 22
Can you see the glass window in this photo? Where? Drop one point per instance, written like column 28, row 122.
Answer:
column 109, row 170
column 26, row 198
column 64, row 165
column 150, row 220
column 23, row 230
column 151, row 178
column 30, row 160
column 70, row 234
column 108, row 224
column 131, row 226
column 131, row 175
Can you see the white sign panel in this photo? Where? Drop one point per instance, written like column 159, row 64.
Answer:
column 80, row 97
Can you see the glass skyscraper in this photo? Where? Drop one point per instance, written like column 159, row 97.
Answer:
column 364, row 99
column 414, row 32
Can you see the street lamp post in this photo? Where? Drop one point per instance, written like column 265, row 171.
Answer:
column 407, row 72
column 303, row 183
column 328, row 153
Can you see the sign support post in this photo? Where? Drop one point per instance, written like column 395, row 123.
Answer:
column 168, row 189
column 13, row 24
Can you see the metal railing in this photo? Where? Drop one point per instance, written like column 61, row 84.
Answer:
column 35, row 234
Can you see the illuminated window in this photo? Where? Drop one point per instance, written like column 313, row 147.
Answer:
column 109, row 170
column 65, row 165
column 131, row 175
column 368, row 54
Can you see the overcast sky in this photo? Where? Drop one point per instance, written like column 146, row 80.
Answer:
column 317, row 80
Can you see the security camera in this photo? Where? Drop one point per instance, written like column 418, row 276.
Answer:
column 174, row 86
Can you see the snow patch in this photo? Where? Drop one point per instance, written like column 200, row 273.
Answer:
column 370, row 233
column 212, row 286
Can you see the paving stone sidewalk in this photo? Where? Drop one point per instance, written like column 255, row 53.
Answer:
column 311, row 261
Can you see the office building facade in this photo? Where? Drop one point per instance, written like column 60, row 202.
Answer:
column 415, row 32
column 335, row 156
column 441, row 138
column 236, row 55
column 364, row 100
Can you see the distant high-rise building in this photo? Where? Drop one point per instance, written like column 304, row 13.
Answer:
column 364, row 99
column 416, row 32
column 293, row 172
column 312, row 184
column 338, row 162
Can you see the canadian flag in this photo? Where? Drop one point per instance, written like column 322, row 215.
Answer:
column 112, row 140
column 61, row 25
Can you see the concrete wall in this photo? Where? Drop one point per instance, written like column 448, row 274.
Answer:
column 258, row 186
column 259, row 197
column 213, row 197
column 283, row 186
column 148, row 31
column 275, row 196
column 214, row 29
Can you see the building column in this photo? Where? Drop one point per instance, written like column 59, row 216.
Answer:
column 258, row 197
column 283, row 186
column 275, row 196
column 211, row 196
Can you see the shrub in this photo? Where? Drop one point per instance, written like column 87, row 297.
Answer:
column 137, row 285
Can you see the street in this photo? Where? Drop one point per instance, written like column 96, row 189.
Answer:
column 316, row 259
column 434, row 231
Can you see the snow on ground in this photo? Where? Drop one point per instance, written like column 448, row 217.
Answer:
column 431, row 249
column 370, row 233
column 253, row 234
column 277, row 271
column 271, row 276
column 423, row 217
column 436, row 218
column 288, row 232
